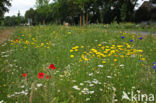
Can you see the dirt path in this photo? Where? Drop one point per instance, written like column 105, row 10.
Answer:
column 141, row 32
column 5, row 34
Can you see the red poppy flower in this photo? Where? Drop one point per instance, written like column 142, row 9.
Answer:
column 48, row 77
column 17, row 39
column 40, row 75
column 52, row 66
column 24, row 75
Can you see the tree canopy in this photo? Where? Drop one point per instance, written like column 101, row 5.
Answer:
column 98, row 11
column 4, row 4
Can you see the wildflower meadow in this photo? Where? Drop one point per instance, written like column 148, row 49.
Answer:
column 94, row 64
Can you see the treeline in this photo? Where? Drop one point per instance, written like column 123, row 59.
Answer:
column 98, row 11
column 95, row 11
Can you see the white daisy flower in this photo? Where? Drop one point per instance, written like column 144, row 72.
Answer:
column 91, row 92
column 109, row 77
column 100, row 66
column 90, row 74
column 76, row 87
column 81, row 84
column 39, row 85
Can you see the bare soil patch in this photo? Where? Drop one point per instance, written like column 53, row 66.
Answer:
column 5, row 34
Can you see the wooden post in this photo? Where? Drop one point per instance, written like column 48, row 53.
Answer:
column 80, row 21
column 43, row 22
column 87, row 20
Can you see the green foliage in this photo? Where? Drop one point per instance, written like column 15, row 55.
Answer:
column 41, row 3
column 4, row 4
column 142, row 14
column 32, row 50
column 13, row 20
column 124, row 12
column 153, row 14
column 31, row 13
column 99, row 11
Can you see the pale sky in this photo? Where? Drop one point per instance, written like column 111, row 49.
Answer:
column 23, row 5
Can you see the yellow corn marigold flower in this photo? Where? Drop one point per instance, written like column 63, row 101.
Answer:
column 80, row 60
column 76, row 50
column 109, row 54
column 103, row 61
column 115, row 60
column 76, row 47
column 143, row 59
column 99, row 56
column 112, row 47
column 122, row 56
column 90, row 52
column 84, row 52
column 37, row 47
column 102, row 47
column 69, row 33
column 71, row 50
column 140, row 51
column 105, row 52
column 32, row 43
column 26, row 42
column 87, row 53
column 71, row 56
column 82, row 46
column 99, row 45
column 143, row 64
column 86, row 59
column 42, row 44
column 116, row 55
column 112, row 51
column 128, row 46
column 33, row 38
column 119, row 46
column 107, row 46
column 103, row 55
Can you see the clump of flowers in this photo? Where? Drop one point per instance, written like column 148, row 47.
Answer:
column 24, row 75
column 141, row 38
column 154, row 66
column 52, row 66
column 40, row 75
column 131, row 40
column 122, row 37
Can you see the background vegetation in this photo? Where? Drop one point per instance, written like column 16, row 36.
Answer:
column 98, row 11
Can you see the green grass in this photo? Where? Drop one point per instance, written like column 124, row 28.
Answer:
column 32, row 50
column 127, row 27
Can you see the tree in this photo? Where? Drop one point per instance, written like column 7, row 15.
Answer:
column 4, row 4
column 124, row 12
column 41, row 3
column 142, row 14
column 19, row 18
column 153, row 14
column 42, row 7
column 10, row 21
column 153, row 1
column 31, row 13
column 81, row 4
